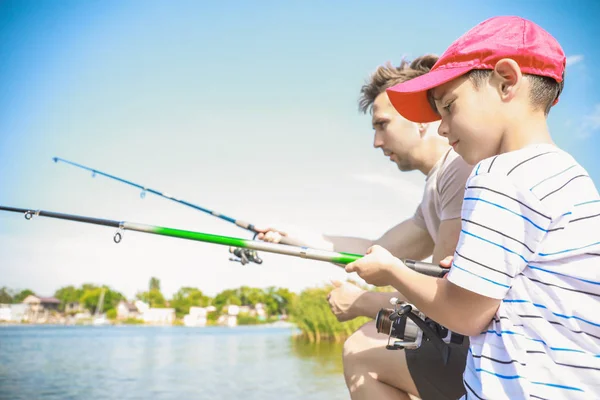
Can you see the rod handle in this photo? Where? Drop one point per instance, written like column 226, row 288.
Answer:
column 427, row 268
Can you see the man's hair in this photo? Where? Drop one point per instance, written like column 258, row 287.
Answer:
column 387, row 76
column 543, row 92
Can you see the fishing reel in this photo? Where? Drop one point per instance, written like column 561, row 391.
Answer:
column 412, row 327
column 244, row 256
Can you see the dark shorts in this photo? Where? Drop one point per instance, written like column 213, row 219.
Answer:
column 433, row 379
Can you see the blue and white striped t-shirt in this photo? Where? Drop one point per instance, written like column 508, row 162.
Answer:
column 531, row 237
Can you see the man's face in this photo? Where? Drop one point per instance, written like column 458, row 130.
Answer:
column 394, row 134
column 471, row 118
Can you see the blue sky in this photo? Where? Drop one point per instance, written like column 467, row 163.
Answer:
column 246, row 109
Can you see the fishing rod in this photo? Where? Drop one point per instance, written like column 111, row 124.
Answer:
column 284, row 249
column 243, row 256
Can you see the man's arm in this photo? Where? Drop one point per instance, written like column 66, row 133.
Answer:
column 348, row 301
column 447, row 238
column 451, row 182
column 405, row 240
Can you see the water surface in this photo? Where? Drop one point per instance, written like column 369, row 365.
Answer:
column 137, row 362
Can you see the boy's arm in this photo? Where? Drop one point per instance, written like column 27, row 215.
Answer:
column 454, row 307
column 502, row 229
column 405, row 240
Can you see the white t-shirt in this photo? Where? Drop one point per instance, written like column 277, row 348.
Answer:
column 443, row 194
column 530, row 237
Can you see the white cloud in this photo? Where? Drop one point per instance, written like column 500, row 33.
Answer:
column 574, row 59
column 591, row 122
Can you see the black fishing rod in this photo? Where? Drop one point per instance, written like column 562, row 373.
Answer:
column 284, row 249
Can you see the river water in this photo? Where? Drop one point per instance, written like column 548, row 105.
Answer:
column 140, row 362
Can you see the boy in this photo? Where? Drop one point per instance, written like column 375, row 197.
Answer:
column 524, row 282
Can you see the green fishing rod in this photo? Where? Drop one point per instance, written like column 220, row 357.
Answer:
column 284, row 249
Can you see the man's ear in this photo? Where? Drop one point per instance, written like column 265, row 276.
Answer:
column 422, row 129
column 507, row 78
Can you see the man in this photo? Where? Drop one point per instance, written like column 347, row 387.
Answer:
column 372, row 371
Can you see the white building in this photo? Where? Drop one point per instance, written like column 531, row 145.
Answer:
column 5, row 313
column 127, row 310
column 14, row 312
column 230, row 319
column 196, row 317
column 141, row 306
column 159, row 316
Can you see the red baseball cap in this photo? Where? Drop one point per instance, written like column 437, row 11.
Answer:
column 534, row 49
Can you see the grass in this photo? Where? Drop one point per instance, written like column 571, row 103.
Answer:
column 314, row 318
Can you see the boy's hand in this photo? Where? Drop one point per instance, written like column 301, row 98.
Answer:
column 375, row 267
column 446, row 263
column 342, row 300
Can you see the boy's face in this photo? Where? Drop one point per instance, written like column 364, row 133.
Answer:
column 471, row 118
column 394, row 134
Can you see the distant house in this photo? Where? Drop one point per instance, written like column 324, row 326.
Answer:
column 18, row 312
column 13, row 312
column 141, row 306
column 159, row 316
column 74, row 307
column 48, row 303
column 127, row 310
column 229, row 316
column 39, row 308
column 259, row 311
column 231, row 309
column 5, row 314
column 196, row 317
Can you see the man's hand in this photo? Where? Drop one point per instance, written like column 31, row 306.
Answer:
column 376, row 266
column 270, row 235
column 342, row 300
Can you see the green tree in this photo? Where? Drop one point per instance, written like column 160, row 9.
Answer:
column 153, row 297
column 228, row 296
column 91, row 297
column 279, row 300
column 187, row 297
column 154, row 284
column 5, row 295
column 68, row 294
column 19, row 297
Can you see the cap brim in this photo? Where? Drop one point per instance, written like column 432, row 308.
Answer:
column 410, row 98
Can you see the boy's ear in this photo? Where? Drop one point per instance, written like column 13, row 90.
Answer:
column 507, row 78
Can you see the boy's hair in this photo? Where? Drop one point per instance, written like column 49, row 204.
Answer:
column 544, row 90
column 387, row 76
